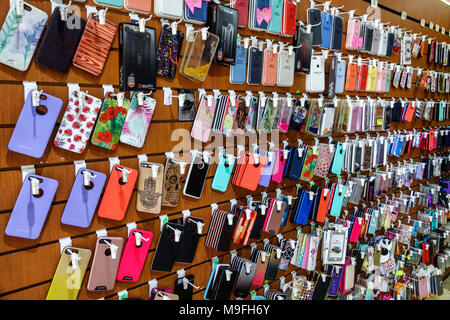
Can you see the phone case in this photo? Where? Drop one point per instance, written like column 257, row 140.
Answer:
column 340, row 77
column 77, row 123
column 352, row 72
column 172, row 9
column 110, row 3
column 142, row 6
column 83, row 200
column 289, row 18
column 201, row 128
column 338, row 29
column 19, row 36
column 353, row 32
column 314, row 18
column 337, row 200
column 66, row 282
column 110, row 123
column 30, row 212
column 150, row 187
column 189, row 240
column 94, row 45
column 172, row 184
column 184, row 293
column 269, row 76
column 246, row 271
column 317, row 75
column 60, row 42
column 376, row 42
column 186, row 111
column 133, row 256
column 303, row 40
column 242, row 7
column 253, row 172
column 285, row 69
column 332, row 77
column 371, row 79
column 167, row 249
column 363, row 71
column 238, row 70
column 278, row 169
column 196, row 14
column 137, row 58
column 262, row 13
column 254, row 66
column 326, row 26
column 196, row 177
column 338, row 159
column 274, row 217
column 35, row 125
column 276, row 18
column 223, row 173
column 105, row 265
column 117, row 194
column 168, row 52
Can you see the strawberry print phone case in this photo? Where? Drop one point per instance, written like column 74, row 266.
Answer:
column 78, row 121
column 110, row 122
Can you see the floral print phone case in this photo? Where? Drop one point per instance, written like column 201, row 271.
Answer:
column 77, row 124
column 137, row 122
column 310, row 165
column 110, row 123
column 19, row 36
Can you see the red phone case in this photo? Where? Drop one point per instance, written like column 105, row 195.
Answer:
column 352, row 72
column 323, row 205
column 289, row 17
column 117, row 194
column 362, row 77
column 253, row 172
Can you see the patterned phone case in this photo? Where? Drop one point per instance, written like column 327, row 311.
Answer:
column 137, row 122
column 168, row 52
column 172, row 184
column 309, row 165
column 77, row 124
column 324, row 161
column 149, row 188
column 110, row 123
column 19, row 36
column 94, row 45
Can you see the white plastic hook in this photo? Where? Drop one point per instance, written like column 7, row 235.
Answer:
column 87, row 175
column 102, row 16
column 114, row 249
column 139, row 237
column 125, row 174
column 34, row 186
column 36, row 97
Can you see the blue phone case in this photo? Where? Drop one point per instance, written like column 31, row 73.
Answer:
column 327, row 25
column 297, row 164
column 298, row 204
column 200, row 14
column 338, row 159
column 398, row 147
column 260, row 6
column 286, row 212
column 223, row 174
column 110, row 3
column 304, row 209
column 288, row 161
column 255, row 65
column 338, row 199
column 340, row 76
column 266, row 175
column 237, row 71
column 277, row 17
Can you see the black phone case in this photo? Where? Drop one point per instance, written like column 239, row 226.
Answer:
column 338, row 27
column 255, row 66
column 315, row 20
column 224, row 288
column 137, row 58
column 167, row 249
column 186, row 112
column 303, row 54
column 59, row 43
column 368, row 37
column 226, row 236
column 196, row 179
column 244, row 280
column 179, row 288
column 189, row 241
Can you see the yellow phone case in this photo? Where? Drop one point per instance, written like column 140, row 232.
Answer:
column 372, row 79
column 67, row 280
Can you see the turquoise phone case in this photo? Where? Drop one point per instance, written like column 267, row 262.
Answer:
column 277, row 17
column 338, row 160
column 373, row 223
column 223, row 174
column 441, row 111
column 110, row 3
column 338, row 199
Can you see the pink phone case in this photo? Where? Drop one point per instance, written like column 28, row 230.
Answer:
column 380, row 80
column 350, row 32
column 201, row 129
column 357, row 41
column 133, row 257
column 356, row 230
column 278, row 170
column 269, row 77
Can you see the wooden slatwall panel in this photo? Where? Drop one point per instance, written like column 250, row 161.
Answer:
column 27, row 266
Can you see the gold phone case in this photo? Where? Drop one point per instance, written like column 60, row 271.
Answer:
column 150, row 187
column 67, row 281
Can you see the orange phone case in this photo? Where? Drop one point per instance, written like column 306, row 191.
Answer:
column 253, row 172
column 323, row 205
column 143, row 6
column 117, row 194
column 411, row 108
column 352, row 72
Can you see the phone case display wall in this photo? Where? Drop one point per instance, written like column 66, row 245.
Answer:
column 350, row 203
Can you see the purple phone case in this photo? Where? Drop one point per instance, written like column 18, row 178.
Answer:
column 82, row 203
column 33, row 131
column 29, row 213
column 268, row 169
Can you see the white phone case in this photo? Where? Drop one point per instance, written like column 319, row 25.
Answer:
column 383, row 44
column 317, row 75
column 172, row 9
column 285, row 70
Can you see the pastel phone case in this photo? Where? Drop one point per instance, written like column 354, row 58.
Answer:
column 189, row 240
column 172, row 9
column 137, row 57
column 201, row 128
column 110, row 3
column 137, row 122
column 167, row 249
column 253, row 172
column 105, row 264
column 77, row 123
column 223, row 172
column 83, row 200
column 324, row 161
column 340, row 77
column 276, row 18
column 19, row 36
column 66, row 282
column 30, row 211
column 238, row 70
column 338, row 160
column 60, row 42
column 142, row 6
column 314, row 18
column 117, row 194
column 198, row 13
column 285, row 69
column 134, row 256
column 93, row 48
column 35, row 125
column 269, row 76
column 196, row 177
column 110, row 122
column 337, row 201
column 289, row 18
column 371, row 79
column 150, row 187
column 327, row 26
